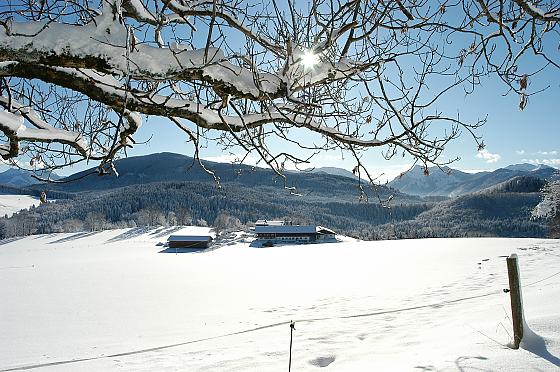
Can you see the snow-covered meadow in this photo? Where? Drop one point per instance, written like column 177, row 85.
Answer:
column 9, row 204
column 111, row 301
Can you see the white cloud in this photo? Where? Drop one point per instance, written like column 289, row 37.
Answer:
column 547, row 153
column 473, row 170
column 551, row 162
column 388, row 172
column 488, row 156
column 520, row 152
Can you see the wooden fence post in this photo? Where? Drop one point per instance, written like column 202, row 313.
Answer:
column 292, row 328
column 516, row 299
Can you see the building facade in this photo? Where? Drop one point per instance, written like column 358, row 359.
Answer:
column 296, row 234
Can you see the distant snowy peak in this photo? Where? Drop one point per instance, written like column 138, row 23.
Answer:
column 544, row 166
column 438, row 181
column 334, row 171
column 525, row 167
column 452, row 182
column 418, row 171
column 20, row 178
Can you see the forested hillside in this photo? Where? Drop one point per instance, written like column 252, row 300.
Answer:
column 169, row 167
column 161, row 203
column 169, row 189
column 502, row 210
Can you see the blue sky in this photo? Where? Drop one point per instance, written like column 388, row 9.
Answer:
column 511, row 136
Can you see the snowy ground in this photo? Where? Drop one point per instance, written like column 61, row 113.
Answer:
column 110, row 301
column 9, row 204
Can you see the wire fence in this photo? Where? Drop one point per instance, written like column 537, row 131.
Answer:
column 291, row 323
column 542, row 280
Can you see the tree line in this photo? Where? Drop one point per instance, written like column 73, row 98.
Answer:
column 496, row 212
column 185, row 203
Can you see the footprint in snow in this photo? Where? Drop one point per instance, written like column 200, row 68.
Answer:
column 322, row 361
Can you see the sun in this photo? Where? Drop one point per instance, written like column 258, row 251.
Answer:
column 309, row 59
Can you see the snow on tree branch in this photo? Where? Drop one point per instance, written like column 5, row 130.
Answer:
column 550, row 14
column 356, row 74
column 12, row 125
column 549, row 206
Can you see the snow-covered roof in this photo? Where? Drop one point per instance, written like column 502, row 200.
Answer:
column 189, row 238
column 269, row 223
column 324, row 230
column 292, row 229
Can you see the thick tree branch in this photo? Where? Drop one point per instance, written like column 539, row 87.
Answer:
column 356, row 74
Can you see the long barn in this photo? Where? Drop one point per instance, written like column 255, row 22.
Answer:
column 189, row 241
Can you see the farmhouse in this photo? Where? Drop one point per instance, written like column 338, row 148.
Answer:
column 189, row 241
column 276, row 232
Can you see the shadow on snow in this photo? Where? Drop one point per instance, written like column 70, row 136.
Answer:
column 75, row 236
column 183, row 250
column 536, row 344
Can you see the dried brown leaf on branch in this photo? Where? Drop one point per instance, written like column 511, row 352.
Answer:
column 254, row 77
column 523, row 82
column 523, row 100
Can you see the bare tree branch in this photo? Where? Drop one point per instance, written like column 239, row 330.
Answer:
column 77, row 75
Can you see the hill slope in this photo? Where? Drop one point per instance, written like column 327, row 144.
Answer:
column 433, row 304
column 501, row 210
column 169, row 167
column 9, row 204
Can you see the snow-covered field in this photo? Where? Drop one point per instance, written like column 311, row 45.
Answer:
column 9, row 204
column 109, row 301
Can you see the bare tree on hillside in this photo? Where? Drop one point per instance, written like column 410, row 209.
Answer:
column 225, row 223
column 78, row 77
column 171, row 219
column 22, row 223
column 184, row 216
column 72, row 225
column 95, row 221
column 150, row 216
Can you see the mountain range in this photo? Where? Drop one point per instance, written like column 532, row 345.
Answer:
column 451, row 182
column 16, row 177
column 340, row 183
column 170, row 167
column 326, row 184
column 497, row 203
